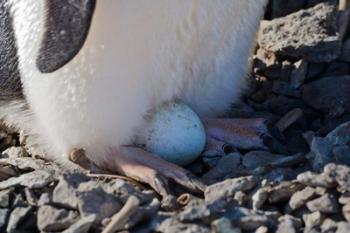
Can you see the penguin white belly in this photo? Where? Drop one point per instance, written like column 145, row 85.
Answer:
column 137, row 55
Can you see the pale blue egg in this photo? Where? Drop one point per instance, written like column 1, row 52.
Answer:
column 175, row 133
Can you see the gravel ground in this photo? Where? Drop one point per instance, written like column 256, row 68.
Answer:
column 300, row 83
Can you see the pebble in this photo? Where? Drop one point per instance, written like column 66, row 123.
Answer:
column 299, row 198
column 224, row 225
column 83, row 225
column 34, row 179
column 325, row 204
column 17, row 216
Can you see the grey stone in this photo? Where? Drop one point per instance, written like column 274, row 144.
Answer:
column 34, row 179
column 229, row 187
column 94, row 200
column 346, row 212
column 329, row 95
column 17, row 216
column 254, row 159
column 313, row 220
column 194, row 211
column 325, row 204
column 224, row 225
column 328, row 226
column 300, row 198
column 81, row 226
column 29, row 164
column 51, row 219
column 172, row 225
column 343, row 227
column 340, row 174
column 315, row 180
column 240, row 198
column 288, row 119
column 260, row 197
column 262, row 229
column 44, row 199
column 65, row 193
column 253, row 222
column 14, row 152
column 284, row 191
column 3, row 217
column 5, row 197
column 288, row 224
column 312, row 34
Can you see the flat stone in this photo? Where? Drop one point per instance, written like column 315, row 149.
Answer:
column 346, row 212
column 288, row 224
column 315, row 180
column 329, row 95
column 325, row 204
column 94, row 200
column 343, row 227
column 35, row 179
column 329, row 225
column 300, row 198
column 5, row 197
column 229, row 187
column 288, row 119
column 255, row 159
column 312, row 34
column 172, row 225
column 51, row 219
column 194, row 211
column 81, row 226
column 17, row 216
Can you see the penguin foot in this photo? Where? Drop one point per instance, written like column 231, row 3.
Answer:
column 247, row 134
column 146, row 167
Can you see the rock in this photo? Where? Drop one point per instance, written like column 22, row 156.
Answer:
column 29, row 164
column 341, row 154
column 288, row 119
column 254, row 159
column 284, row 191
column 94, row 200
column 227, row 166
column 14, row 152
column 65, row 191
column 299, row 74
column 313, row 220
column 339, row 174
column 325, row 204
column 44, row 199
column 343, row 227
column 195, row 211
column 283, row 88
column 17, row 216
column 81, row 226
column 321, row 95
column 5, row 198
column 51, row 219
column 260, row 197
column 284, row 7
column 345, row 54
column 223, row 225
column 227, row 189
column 300, row 198
column 172, row 225
column 253, row 222
column 312, row 34
column 328, row 226
column 35, row 179
column 262, row 229
column 315, row 180
column 346, row 212
column 288, row 224
column 3, row 218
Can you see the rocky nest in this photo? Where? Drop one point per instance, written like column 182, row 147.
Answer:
column 300, row 82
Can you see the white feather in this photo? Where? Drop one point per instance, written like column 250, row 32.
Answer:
column 138, row 54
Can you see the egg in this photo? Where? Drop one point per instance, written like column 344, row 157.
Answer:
column 175, row 133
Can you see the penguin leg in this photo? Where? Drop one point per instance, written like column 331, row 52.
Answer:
column 146, row 167
column 239, row 133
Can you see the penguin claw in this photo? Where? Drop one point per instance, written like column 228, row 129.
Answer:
column 144, row 167
column 241, row 133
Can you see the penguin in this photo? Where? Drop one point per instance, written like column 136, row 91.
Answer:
column 83, row 74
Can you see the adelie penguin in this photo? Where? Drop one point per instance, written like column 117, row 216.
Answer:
column 85, row 73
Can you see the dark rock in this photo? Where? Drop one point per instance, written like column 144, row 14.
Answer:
column 51, row 219
column 288, row 119
column 283, row 88
column 299, row 74
column 312, row 34
column 321, row 95
column 254, row 159
column 284, row 7
column 3, row 218
column 5, row 197
column 337, row 69
column 284, row 191
column 345, row 55
column 260, row 196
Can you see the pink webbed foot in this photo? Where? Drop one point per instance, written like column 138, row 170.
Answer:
column 147, row 168
column 239, row 133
